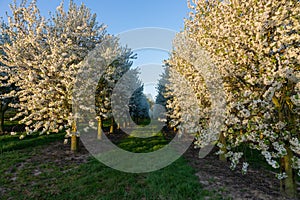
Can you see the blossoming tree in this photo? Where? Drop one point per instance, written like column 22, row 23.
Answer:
column 190, row 62
column 122, row 95
column 255, row 46
column 46, row 54
column 113, row 73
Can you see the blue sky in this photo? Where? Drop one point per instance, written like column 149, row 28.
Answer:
column 121, row 15
column 125, row 15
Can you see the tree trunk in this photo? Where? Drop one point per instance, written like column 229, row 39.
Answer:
column 288, row 185
column 137, row 121
column 124, row 124
column 118, row 127
column 223, row 142
column 2, row 122
column 74, row 143
column 99, row 136
column 111, row 130
column 3, row 109
column 74, row 138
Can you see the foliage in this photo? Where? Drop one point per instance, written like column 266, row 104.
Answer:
column 162, row 97
column 138, row 105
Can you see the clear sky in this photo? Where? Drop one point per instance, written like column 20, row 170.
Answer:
column 125, row 15
column 121, row 15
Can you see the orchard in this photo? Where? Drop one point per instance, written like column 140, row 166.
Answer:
column 231, row 82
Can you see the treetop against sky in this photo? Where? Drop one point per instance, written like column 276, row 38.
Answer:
column 120, row 16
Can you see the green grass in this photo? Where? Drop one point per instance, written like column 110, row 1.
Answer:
column 143, row 145
column 91, row 180
column 96, row 181
column 10, row 143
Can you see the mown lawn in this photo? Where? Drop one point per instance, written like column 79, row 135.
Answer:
column 91, row 179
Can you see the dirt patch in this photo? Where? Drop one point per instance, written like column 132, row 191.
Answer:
column 57, row 154
column 42, row 160
column 60, row 155
column 215, row 175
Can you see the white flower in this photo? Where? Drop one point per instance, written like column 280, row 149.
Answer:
column 268, row 80
column 280, row 125
column 267, row 115
column 281, row 176
column 66, row 141
column 245, row 167
column 245, row 113
column 13, row 133
column 296, row 99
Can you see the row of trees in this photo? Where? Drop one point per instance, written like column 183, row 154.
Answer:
column 40, row 59
column 121, row 90
column 254, row 46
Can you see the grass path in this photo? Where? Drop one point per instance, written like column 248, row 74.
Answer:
column 43, row 168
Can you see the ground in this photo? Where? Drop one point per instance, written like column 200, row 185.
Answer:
column 257, row 184
column 46, row 163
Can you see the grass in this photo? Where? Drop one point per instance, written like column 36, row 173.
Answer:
column 90, row 180
column 12, row 143
column 95, row 181
column 143, row 145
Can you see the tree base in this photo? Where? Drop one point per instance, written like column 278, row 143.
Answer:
column 74, row 143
